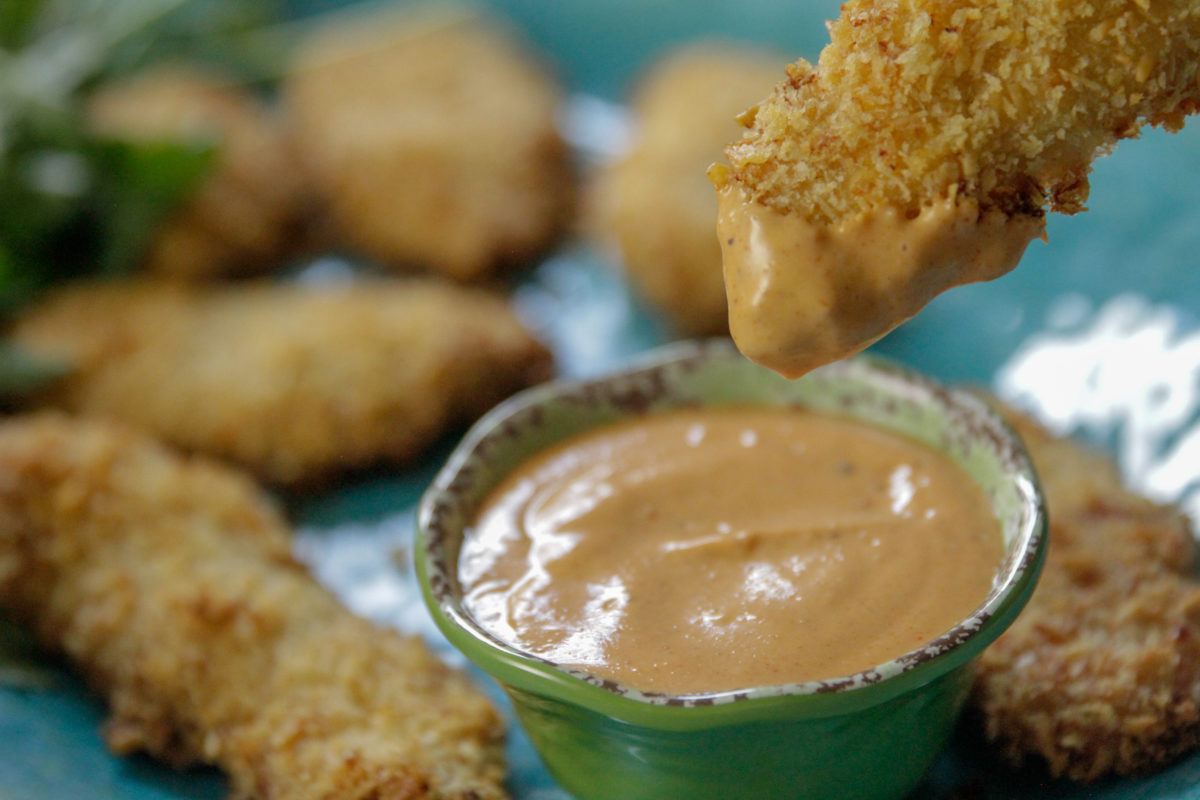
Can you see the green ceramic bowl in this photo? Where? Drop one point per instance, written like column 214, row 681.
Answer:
column 868, row 735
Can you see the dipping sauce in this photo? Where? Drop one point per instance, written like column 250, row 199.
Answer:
column 709, row 549
column 802, row 294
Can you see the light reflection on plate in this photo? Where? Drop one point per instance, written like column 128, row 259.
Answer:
column 1126, row 374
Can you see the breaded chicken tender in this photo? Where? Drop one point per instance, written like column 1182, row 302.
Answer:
column 245, row 217
column 1100, row 674
column 433, row 138
column 169, row 582
column 923, row 150
column 297, row 383
column 655, row 203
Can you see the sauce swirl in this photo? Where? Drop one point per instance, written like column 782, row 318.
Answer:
column 715, row 549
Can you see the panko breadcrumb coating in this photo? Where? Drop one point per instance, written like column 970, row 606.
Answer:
column 245, row 217
column 1100, row 674
column 655, row 202
column 297, row 383
column 169, row 582
column 922, row 152
column 433, row 138
column 1005, row 103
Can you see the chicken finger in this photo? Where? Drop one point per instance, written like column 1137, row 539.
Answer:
column 296, row 383
column 1100, row 674
column 923, row 151
column 169, row 582
column 432, row 136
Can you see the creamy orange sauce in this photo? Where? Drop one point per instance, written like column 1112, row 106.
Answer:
column 707, row 550
column 802, row 294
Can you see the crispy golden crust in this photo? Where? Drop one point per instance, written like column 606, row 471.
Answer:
column 1101, row 672
column 656, row 203
column 243, row 218
column 1001, row 103
column 170, row 583
column 296, row 383
column 433, row 139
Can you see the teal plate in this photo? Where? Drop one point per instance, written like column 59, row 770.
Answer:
column 1097, row 332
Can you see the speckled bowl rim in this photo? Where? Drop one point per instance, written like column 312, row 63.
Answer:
column 536, row 675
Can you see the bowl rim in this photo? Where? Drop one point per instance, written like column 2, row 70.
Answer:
column 524, row 672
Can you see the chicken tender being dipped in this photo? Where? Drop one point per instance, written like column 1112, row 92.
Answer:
column 296, row 383
column 655, row 204
column 923, row 152
column 432, row 136
column 244, row 217
column 168, row 581
column 1100, row 674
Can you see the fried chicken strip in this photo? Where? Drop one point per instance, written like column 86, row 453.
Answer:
column 923, row 151
column 296, row 383
column 169, row 582
column 432, row 135
column 1100, row 674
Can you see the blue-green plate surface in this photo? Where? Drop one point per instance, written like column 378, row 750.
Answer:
column 1097, row 331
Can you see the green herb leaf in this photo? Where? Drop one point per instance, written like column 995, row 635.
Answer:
column 16, row 20
column 138, row 184
column 75, row 204
column 71, row 203
column 222, row 32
